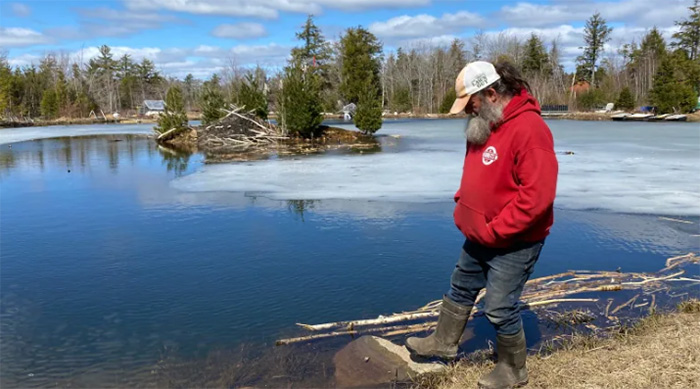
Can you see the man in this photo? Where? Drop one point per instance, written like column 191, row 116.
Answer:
column 504, row 209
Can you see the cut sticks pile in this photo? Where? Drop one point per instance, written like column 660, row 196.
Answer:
column 538, row 292
column 238, row 130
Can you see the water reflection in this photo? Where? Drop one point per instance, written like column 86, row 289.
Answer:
column 176, row 161
column 298, row 207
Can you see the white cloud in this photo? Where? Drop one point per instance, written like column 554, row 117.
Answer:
column 21, row 37
column 570, row 39
column 20, row 10
column 642, row 13
column 201, row 61
column 24, row 60
column 258, row 8
column 425, row 26
column 105, row 21
column 268, row 9
column 240, row 31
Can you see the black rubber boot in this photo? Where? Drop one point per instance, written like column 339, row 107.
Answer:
column 443, row 343
column 510, row 371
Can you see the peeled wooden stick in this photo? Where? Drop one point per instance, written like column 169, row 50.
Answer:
column 350, row 325
column 553, row 276
column 685, row 279
column 686, row 256
column 675, row 220
column 654, row 279
column 630, row 301
column 369, row 322
column 313, row 337
column 556, row 301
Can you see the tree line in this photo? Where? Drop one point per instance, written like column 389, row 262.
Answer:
column 322, row 76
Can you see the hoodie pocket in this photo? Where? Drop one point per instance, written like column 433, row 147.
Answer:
column 472, row 223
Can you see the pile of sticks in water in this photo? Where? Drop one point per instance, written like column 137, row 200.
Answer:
column 238, row 130
column 538, row 292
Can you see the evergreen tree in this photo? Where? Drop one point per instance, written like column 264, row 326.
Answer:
column 361, row 59
column 448, row 100
column 212, row 101
column 625, row 100
column 401, row 100
column 688, row 38
column 49, row 104
column 314, row 52
column 190, row 85
column 536, row 59
column 597, row 33
column 252, row 94
column 301, row 102
column 672, row 90
column 368, row 117
column 5, row 86
column 457, row 56
column 174, row 116
column 591, row 99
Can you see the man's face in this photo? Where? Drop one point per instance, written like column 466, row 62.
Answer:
column 485, row 110
column 476, row 102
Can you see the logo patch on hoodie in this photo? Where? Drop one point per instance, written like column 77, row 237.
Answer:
column 490, row 156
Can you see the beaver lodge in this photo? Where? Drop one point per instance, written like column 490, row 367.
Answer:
column 240, row 135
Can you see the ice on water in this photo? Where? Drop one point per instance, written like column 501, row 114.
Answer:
column 623, row 167
column 14, row 135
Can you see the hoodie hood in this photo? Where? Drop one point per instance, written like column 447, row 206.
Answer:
column 520, row 103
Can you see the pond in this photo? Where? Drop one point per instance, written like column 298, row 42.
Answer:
column 116, row 254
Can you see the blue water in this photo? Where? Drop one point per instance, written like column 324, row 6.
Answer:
column 104, row 263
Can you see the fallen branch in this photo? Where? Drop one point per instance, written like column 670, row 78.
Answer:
column 654, row 279
column 313, row 337
column 369, row 322
column 630, row 301
column 538, row 292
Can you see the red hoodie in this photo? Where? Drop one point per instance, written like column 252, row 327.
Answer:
column 508, row 184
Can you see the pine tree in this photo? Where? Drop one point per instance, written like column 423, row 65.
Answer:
column 49, row 104
column 211, row 101
column 361, row 59
column 448, row 100
column 5, row 86
column 625, row 100
column 301, row 101
column 368, row 117
column 672, row 91
column 174, row 116
column 314, row 52
column 252, row 94
column 536, row 59
column 688, row 38
column 597, row 33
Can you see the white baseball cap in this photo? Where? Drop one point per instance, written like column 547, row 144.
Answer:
column 476, row 76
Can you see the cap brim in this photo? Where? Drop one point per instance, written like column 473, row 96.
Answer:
column 459, row 104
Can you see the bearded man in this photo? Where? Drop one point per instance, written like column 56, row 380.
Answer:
column 505, row 211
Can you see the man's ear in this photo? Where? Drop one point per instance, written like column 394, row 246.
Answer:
column 491, row 95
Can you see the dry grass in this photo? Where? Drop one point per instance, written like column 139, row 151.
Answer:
column 661, row 351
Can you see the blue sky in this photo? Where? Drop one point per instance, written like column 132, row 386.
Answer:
column 205, row 36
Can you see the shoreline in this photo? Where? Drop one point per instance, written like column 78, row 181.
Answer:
column 582, row 116
column 630, row 356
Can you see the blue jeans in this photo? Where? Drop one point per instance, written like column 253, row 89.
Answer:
column 503, row 272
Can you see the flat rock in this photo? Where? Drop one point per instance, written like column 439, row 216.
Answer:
column 372, row 361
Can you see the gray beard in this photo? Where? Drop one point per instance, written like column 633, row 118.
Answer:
column 478, row 129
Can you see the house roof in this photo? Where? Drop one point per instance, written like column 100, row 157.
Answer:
column 154, row 105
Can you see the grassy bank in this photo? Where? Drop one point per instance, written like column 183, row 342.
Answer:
column 661, row 351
